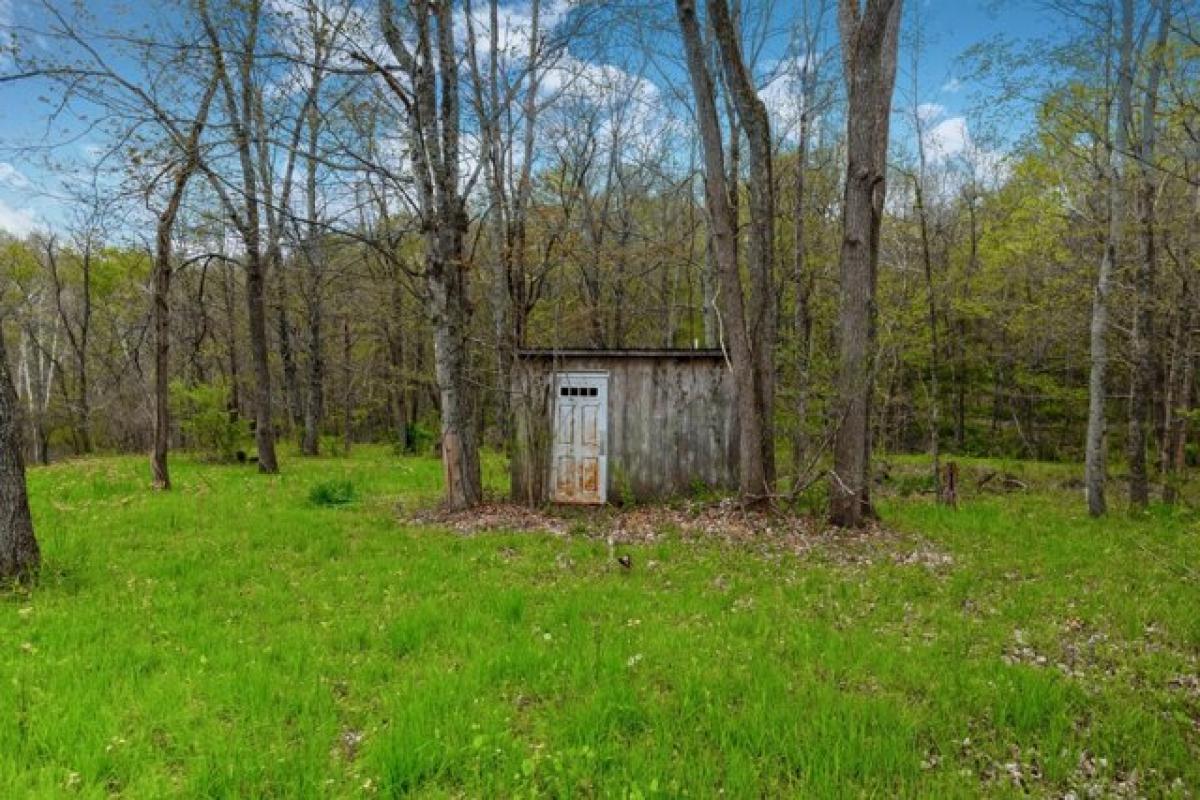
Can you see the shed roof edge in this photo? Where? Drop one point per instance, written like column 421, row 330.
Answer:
column 579, row 352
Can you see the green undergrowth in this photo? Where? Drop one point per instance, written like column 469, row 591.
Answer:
column 238, row 637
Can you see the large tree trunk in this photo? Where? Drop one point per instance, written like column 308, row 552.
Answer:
column 760, row 252
column 1096, row 446
column 460, row 446
column 264, row 426
column 240, row 105
column 19, row 554
column 753, row 485
column 1142, row 334
column 434, row 131
column 869, row 40
column 314, row 257
column 162, row 351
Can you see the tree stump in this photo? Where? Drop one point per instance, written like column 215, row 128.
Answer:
column 949, row 495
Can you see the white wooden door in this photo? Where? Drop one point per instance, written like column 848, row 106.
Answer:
column 579, row 472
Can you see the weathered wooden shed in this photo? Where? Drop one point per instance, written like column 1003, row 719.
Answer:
column 600, row 425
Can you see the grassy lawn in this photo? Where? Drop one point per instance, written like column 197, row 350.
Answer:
column 234, row 638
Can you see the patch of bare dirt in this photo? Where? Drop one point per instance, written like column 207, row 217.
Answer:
column 489, row 517
column 725, row 522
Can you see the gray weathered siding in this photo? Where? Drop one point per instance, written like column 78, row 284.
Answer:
column 671, row 423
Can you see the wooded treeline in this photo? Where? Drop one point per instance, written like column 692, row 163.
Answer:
column 332, row 222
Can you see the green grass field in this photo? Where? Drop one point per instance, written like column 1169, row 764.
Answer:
column 290, row 636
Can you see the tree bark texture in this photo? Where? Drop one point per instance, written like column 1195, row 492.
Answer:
column 433, row 111
column 752, row 474
column 1141, row 336
column 869, row 40
column 19, row 554
column 160, row 472
column 1096, row 445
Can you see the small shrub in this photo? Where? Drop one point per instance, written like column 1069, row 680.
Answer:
column 421, row 438
column 332, row 493
column 206, row 424
column 623, row 488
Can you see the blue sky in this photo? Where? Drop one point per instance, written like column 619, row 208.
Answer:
column 28, row 191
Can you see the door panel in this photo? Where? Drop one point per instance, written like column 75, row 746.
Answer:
column 566, row 422
column 565, row 472
column 590, row 436
column 579, row 461
column 589, row 477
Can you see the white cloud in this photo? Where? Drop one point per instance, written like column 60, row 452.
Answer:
column 948, row 142
column 18, row 222
column 514, row 24
column 782, row 91
column 781, row 95
column 944, row 137
column 928, row 112
column 947, row 139
column 12, row 177
column 952, row 86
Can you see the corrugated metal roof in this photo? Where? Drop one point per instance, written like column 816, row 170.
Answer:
column 649, row 352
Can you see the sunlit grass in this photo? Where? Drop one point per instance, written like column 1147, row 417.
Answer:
column 236, row 638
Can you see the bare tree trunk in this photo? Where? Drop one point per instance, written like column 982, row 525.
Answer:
column 752, row 471
column 1096, row 449
column 433, row 106
column 314, row 256
column 162, row 294
column 1182, row 394
column 760, row 252
column 869, row 40
column 264, row 426
column 801, row 312
column 40, row 366
column 294, row 407
column 81, row 355
column 934, row 350
column 1179, row 397
column 960, row 377
column 314, row 404
column 240, row 105
column 19, row 554
column 78, row 338
column 162, row 347
column 235, row 395
column 347, row 388
column 460, row 448
column 398, row 378
column 708, row 293
column 1142, row 335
